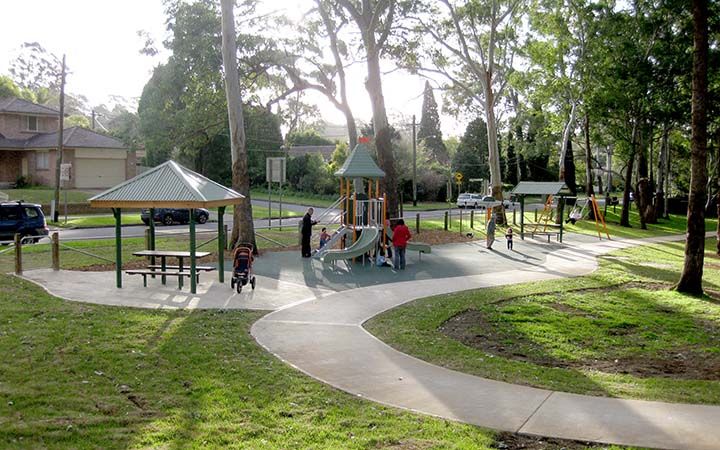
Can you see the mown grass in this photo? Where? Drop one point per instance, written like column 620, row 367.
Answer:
column 43, row 195
column 676, row 224
column 84, row 377
column 297, row 198
column 652, row 323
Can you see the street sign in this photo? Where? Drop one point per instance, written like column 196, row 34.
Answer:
column 65, row 172
column 275, row 170
column 458, row 177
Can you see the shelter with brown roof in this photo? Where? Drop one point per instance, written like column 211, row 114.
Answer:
column 28, row 148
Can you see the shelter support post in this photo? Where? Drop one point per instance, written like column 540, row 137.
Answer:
column 152, row 234
column 118, row 246
column 221, row 245
column 522, row 217
column 561, row 206
column 193, row 266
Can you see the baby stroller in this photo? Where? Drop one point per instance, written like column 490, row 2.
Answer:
column 242, row 267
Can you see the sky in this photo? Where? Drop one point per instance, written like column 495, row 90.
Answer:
column 101, row 44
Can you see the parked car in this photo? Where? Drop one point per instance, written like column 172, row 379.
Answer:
column 489, row 199
column 468, row 200
column 170, row 216
column 26, row 219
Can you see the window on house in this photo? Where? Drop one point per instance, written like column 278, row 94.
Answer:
column 32, row 123
column 42, row 161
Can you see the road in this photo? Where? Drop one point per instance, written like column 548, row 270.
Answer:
column 163, row 230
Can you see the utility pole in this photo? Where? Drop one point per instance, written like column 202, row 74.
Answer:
column 59, row 154
column 414, row 174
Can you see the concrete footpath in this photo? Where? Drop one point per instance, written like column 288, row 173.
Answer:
column 324, row 338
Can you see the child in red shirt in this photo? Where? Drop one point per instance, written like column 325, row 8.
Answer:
column 401, row 236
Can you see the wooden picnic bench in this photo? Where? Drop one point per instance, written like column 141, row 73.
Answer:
column 548, row 233
column 180, row 270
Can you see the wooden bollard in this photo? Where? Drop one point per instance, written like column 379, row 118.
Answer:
column 18, row 254
column 535, row 215
column 417, row 222
column 56, row 251
column 446, row 220
column 472, row 219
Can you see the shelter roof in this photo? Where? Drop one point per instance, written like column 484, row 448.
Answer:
column 541, row 188
column 360, row 165
column 168, row 185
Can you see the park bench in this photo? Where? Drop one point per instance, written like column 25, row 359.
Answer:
column 153, row 273
column 554, row 231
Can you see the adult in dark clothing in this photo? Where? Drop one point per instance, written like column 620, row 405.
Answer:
column 306, row 232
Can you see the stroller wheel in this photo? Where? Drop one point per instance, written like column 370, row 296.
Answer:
column 238, row 287
column 252, row 283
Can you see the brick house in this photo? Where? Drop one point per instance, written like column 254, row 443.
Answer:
column 28, row 147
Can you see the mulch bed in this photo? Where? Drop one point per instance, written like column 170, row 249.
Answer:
column 471, row 328
column 514, row 441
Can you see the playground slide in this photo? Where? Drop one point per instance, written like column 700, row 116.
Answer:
column 413, row 246
column 366, row 243
column 343, row 231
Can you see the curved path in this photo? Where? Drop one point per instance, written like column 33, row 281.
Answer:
column 325, row 339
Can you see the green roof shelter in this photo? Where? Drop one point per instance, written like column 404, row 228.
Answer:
column 554, row 188
column 169, row 185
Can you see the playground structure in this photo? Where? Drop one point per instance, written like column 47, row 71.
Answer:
column 364, row 223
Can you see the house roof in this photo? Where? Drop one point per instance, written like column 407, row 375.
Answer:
column 74, row 137
column 19, row 106
column 168, row 185
column 360, row 165
column 541, row 188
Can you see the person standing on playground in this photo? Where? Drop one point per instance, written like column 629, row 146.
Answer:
column 490, row 238
column 508, row 238
column 401, row 236
column 324, row 238
column 306, row 232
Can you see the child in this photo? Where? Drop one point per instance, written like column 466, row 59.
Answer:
column 324, row 237
column 401, row 236
column 508, row 237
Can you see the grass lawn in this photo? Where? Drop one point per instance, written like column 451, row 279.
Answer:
column 43, row 195
column 99, row 220
column 85, row 376
column 297, row 198
column 617, row 332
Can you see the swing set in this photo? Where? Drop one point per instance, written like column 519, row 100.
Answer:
column 579, row 212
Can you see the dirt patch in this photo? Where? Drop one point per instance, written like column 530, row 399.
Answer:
column 513, row 441
column 472, row 328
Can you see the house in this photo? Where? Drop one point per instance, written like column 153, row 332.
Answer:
column 28, row 148
column 325, row 151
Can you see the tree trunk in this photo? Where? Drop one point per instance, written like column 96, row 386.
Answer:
column 691, row 277
column 589, row 189
column 643, row 189
column 564, row 144
column 243, row 228
column 625, row 214
column 493, row 149
column 660, row 196
column 383, row 142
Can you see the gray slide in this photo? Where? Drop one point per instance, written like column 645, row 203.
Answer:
column 366, row 243
column 412, row 246
column 342, row 231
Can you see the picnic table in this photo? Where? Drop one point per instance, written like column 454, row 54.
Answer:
column 180, row 270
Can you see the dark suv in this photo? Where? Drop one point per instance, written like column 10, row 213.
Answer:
column 169, row 216
column 26, row 219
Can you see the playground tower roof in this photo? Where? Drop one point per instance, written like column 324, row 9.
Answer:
column 168, row 185
column 360, row 165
